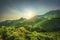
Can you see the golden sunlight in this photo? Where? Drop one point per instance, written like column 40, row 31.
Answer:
column 29, row 14
column 10, row 18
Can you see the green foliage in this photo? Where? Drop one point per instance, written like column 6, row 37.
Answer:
column 21, row 33
column 41, row 27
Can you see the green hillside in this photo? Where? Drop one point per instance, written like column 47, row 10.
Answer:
column 40, row 27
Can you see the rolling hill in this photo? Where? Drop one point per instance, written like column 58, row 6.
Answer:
column 49, row 21
column 40, row 27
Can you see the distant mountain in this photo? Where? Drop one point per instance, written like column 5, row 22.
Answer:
column 48, row 22
column 54, row 13
column 51, row 21
column 12, row 22
column 48, row 15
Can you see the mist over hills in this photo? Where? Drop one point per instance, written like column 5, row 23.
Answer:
column 47, row 22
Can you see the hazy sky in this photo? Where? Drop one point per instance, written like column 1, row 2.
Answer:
column 14, row 9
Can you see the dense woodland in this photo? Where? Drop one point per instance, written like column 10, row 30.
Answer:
column 40, row 27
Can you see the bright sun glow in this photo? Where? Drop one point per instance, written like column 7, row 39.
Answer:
column 29, row 14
